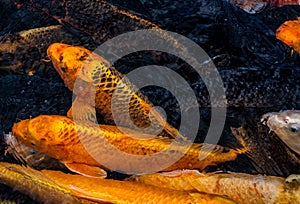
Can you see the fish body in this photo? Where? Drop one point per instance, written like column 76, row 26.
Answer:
column 128, row 192
column 85, row 145
column 97, row 79
column 27, row 48
column 286, row 125
column 240, row 187
column 36, row 185
column 48, row 186
column 289, row 33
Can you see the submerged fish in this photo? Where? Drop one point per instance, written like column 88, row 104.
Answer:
column 81, row 147
column 36, row 185
column 286, row 125
column 289, row 33
column 240, row 187
column 49, row 186
column 25, row 50
column 94, row 76
column 128, row 192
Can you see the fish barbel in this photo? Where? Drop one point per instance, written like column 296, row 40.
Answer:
column 286, row 125
column 240, row 187
column 29, row 156
column 76, row 145
column 97, row 77
column 50, row 186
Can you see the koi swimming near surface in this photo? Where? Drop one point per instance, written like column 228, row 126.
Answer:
column 96, row 81
column 286, row 125
column 240, row 187
column 50, row 186
column 85, row 148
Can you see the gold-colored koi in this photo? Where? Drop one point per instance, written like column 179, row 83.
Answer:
column 128, row 192
column 36, row 185
column 48, row 186
column 77, row 146
column 96, row 77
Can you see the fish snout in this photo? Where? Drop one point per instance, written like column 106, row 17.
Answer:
column 55, row 50
column 20, row 129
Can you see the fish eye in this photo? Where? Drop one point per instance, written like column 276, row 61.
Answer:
column 294, row 128
column 32, row 144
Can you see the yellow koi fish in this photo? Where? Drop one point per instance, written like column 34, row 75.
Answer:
column 240, row 187
column 50, row 186
column 36, row 185
column 95, row 75
column 78, row 146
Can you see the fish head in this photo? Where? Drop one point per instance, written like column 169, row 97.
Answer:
column 286, row 126
column 44, row 133
column 68, row 61
column 77, row 64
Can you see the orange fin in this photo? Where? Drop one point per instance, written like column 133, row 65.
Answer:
column 86, row 170
column 84, row 194
column 82, row 111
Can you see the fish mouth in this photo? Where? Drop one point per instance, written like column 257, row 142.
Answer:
column 20, row 129
column 55, row 51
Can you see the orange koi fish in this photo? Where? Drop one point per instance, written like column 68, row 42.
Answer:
column 76, row 145
column 36, row 185
column 95, row 75
column 240, row 187
column 289, row 33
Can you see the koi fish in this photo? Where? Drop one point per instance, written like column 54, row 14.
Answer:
column 286, row 125
column 240, row 187
column 289, row 33
column 35, row 184
column 50, row 186
column 82, row 146
column 96, row 77
column 128, row 192
column 18, row 50
column 256, row 6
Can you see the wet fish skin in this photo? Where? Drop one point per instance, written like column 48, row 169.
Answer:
column 56, row 136
column 240, row 187
column 286, row 125
column 25, row 51
column 128, row 192
column 97, row 18
column 36, row 185
column 95, row 75
column 48, row 186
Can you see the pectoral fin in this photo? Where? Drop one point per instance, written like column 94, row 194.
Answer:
column 86, row 170
column 82, row 111
column 81, row 193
